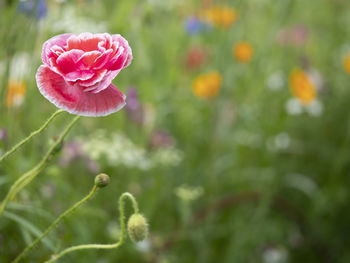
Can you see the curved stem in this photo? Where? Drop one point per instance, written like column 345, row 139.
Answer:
column 27, row 139
column 26, row 178
column 104, row 246
column 54, row 224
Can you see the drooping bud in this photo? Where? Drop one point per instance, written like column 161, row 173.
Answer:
column 137, row 227
column 102, row 180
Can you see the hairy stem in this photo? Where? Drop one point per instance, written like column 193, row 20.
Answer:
column 55, row 223
column 122, row 199
column 30, row 136
column 26, row 178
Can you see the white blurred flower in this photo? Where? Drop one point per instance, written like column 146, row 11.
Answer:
column 21, row 66
column 247, row 138
column 301, row 182
column 295, row 107
column 315, row 108
column 167, row 156
column 118, row 149
column 68, row 20
column 144, row 245
column 282, row 140
column 188, row 193
column 279, row 142
column 275, row 81
column 316, row 78
column 275, row 255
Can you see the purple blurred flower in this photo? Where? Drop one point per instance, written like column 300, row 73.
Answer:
column 28, row 6
column 133, row 107
column 92, row 166
column 3, row 134
column 161, row 138
column 194, row 26
column 73, row 151
column 294, row 36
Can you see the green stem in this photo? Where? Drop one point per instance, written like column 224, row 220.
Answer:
column 26, row 178
column 25, row 140
column 104, row 246
column 54, row 224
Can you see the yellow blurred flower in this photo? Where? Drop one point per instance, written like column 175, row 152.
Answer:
column 243, row 51
column 15, row 93
column 302, row 86
column 222, row 17
column 207, row 85
column 346, row 63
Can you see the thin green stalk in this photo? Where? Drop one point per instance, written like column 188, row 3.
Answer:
column 104, row 246
column 26, row 178
column 27, row 139
column 55, row 223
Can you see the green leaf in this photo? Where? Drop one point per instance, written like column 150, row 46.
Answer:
column 30, row 227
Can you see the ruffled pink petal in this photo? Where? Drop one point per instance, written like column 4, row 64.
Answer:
column 60, row 41
column 104, row 83
column 91, row 83
column 103, row 59
column 69, row 61
column 124, row 43
column 119, row 61
column 74, row 100
column 85, row 41
column 81, row 75
column 89, row 58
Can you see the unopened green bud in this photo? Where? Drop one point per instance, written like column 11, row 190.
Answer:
column 102, row 180
column 137, row 227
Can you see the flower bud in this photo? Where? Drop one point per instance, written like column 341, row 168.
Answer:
column 137, row 227
column 102, row 180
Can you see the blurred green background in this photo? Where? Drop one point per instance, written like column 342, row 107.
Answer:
column 250, row 174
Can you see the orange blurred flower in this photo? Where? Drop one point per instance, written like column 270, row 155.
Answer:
column 222, row 17
column 207, row 85
column 243, row 51
column 15, row 93
column 346, row 63
column 302, row 86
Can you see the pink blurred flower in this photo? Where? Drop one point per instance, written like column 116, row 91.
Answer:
column 134, row 108
column 73, row 151
column 293, row 36
column 3, row 134
column 161, row 139
column 78, row 71
column 300, row 35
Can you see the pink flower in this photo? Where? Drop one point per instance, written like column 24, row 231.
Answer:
column 78, row 71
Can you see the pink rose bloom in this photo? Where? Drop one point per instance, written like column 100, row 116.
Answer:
column 78, row 71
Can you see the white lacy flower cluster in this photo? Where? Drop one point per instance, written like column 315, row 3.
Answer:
column 117, row 149
column 21, row 66
column 67, row 19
